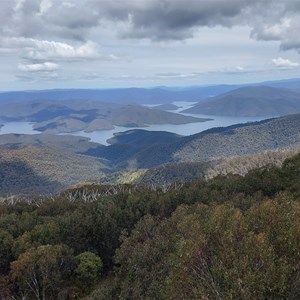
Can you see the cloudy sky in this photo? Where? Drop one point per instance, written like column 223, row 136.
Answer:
column 122, row 43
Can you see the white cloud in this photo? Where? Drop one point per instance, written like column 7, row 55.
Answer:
column 177, row 75
column 239, row 68
column 45, row 6
column 284, row 63
column 44, row 50
column 38, row 67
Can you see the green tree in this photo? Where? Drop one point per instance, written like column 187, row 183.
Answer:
column 6, row 242
column 39, row 272
column 89, row 267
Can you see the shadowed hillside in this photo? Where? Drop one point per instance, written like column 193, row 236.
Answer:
column 40, row 170
column 18, row 177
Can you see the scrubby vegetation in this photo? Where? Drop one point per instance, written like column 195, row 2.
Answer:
column 231, row 237
column 184, row 172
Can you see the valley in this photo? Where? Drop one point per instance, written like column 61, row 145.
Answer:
column 149, row 150
column 138, row 154
column 121, row 142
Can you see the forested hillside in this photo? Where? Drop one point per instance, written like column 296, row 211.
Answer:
column 251, row 101
column 183, row 172
column 47, row 163
column 43, row 170
column 230, row 237
column 240, row 139
column 157, row 148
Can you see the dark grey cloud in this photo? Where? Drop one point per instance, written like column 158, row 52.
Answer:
column 25, row 21
column 71, row 20
column 171, row 19
column 150, row 19
column 47, row 19
column 179, row 19
column 6, row 15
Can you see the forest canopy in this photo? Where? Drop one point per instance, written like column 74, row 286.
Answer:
column 231, row 237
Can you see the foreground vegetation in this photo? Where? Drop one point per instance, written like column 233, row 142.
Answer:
column 231, row 237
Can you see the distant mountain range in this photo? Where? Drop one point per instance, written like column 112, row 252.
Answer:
column 156, row 95
column 251, row 102
column 63, row 111
column 159, row 95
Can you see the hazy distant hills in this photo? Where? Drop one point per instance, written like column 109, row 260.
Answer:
column 166, row 106
column 126, row 116
column 75, row 115
column 286, row 83
column 65, row 111
column 156, row 95
column 251, row 102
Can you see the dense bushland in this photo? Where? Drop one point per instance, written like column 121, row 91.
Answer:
column 230, row 237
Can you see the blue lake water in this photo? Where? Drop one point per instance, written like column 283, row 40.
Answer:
column 102, row 136
column 17, row 127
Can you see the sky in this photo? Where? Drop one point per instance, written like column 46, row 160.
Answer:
column 145, row 43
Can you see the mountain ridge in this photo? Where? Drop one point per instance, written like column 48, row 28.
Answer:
column 251, row 101
column 239, row 139
column 155, row 95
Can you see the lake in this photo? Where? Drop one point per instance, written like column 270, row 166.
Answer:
column 17, row 127
column 103, row 135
